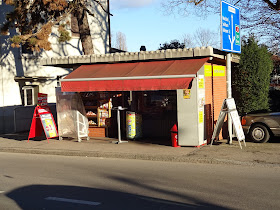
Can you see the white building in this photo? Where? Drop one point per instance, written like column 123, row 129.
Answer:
column 22, row 76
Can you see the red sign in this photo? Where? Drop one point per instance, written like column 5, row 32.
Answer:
column 43, row 120
column 237, row 29
column 42, row 99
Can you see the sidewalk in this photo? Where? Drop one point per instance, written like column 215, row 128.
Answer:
column 254, row 154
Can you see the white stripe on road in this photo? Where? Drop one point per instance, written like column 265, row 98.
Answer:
column 73, row 201
column 2, row 191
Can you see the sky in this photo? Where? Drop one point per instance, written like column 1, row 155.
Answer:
column 144, row 23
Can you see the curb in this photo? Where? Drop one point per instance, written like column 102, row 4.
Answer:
column 164, row 158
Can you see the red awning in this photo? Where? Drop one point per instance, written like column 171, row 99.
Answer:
column 140, row 76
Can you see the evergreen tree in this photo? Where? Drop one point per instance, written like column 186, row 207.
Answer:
column 252, row 77
column 174, row 44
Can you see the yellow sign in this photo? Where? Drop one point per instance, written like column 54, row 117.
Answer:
column 208, row 70
column 219, row 71
column 200, row 117
column 187, row 93
column 131, row 125
column 200, row 82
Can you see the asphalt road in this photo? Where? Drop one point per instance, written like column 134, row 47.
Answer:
column 57, row 182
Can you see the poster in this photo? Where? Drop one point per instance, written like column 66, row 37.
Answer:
column 48, row 125
column 187, row 93
column 200, row 81
column 42, row 121
column 133, row 125
column 200, row 117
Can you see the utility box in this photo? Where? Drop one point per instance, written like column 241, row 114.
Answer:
column 190, row 105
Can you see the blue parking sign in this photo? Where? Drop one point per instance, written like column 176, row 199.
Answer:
column 230, row 28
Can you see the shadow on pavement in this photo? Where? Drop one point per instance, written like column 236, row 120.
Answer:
column 72, row 197
column 22, row 136
column 155, row 140
column 273, row 139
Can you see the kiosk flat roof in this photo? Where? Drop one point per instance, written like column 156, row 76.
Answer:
column 136, row 76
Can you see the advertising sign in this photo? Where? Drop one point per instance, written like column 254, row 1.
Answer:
column 230, row 28
column 187, row 93
column 235, row 119
column 42, row 99
column 42, row 121
column 48, row 125
column 133, row 125
column 219, row 71
column 229, row 108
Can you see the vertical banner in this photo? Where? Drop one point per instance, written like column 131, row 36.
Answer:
column 133, row 125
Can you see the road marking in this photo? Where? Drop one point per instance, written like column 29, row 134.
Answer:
column 167, row 202
column 73, row 201
column 2, row 191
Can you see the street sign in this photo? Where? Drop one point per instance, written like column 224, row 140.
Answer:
column 230, row 28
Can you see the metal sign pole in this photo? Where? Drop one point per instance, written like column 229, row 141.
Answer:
column 229, row 95
column 119, row 108
column 230, row 41
column 119, row 124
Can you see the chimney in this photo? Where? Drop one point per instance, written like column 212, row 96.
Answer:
column 142, row 48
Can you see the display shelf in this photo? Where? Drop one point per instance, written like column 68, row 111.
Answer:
column 98, row 109
column 91, row 107
column 102, row 115
column 92, row 116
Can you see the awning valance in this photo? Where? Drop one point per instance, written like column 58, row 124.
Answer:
column 140, row 76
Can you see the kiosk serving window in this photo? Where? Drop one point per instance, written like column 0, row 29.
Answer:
column 159, row 100
column 30, row 94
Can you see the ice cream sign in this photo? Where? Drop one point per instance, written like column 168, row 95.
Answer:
column 230, row 28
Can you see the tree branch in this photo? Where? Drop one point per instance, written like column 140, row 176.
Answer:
column 99, row 3
column 196, row 3
column 275, row 6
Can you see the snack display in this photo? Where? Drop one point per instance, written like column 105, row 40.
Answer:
column 91, row 122
column 98, row 108
column 91, row 114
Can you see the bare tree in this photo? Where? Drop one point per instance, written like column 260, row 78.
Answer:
column 188, row 40
column 206, row 37
column 201, row 38
column 262, row 17
column 119, row 41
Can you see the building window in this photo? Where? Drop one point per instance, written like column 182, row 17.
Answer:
column 30, row 94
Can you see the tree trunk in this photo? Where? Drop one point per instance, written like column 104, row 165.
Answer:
column 84, row 30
